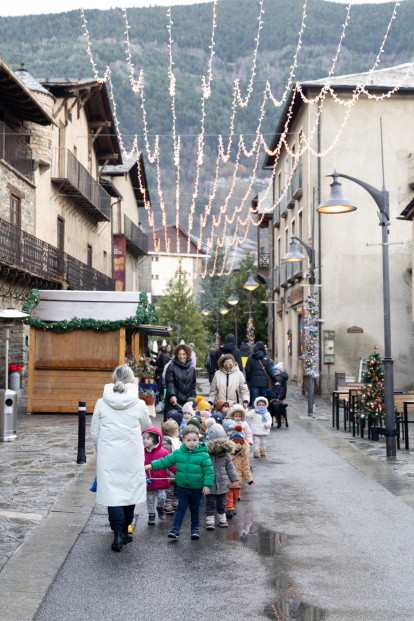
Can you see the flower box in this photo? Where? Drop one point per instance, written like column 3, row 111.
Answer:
column 148, row 400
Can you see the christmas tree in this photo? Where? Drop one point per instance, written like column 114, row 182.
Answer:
column 370, row 398
column 250, row 331
column 311, row 353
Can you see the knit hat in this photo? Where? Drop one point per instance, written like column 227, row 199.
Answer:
column 199, row 398
column 230, row 338
column 259, row 346
column 261, row 399
column 217, row 417
column 177, row 416
column 219, row 404
column 188, row 408
column 280, row 366
column 205, row 414
column 203, row 405
column 216, row 431
column 195, row 420
column 237, row 435
column 228, row 425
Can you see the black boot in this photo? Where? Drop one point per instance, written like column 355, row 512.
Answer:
column 125, row 537
column 117, row 544
column 151, row 519
column 161, row 513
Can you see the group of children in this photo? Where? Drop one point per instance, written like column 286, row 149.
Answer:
column 202, row 453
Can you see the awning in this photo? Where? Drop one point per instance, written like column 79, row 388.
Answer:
column 153, row 330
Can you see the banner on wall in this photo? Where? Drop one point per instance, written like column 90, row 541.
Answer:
column 119, row 262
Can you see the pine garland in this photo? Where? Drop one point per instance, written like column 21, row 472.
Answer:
column 311, row 353
column 370, row 398
column 146, row 314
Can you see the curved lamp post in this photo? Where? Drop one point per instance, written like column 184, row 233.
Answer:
column 337, row 203
column 233, row 300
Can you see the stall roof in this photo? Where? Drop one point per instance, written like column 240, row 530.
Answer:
column 100, row 305
column 154, row 330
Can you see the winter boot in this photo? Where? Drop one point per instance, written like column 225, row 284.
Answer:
column 161, row 513
column 222, row 520
column 174, row 502
column 229, row 514
column 118, row 536
column 195, row 534
column 125, row 537
column 255, row 453
column 210, row 522
column 168, row 508
column 151, row 519
column 262, row 452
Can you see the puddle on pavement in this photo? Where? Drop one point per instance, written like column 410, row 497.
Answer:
column 287, row 605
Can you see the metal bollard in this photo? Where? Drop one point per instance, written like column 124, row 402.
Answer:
column 81, row 459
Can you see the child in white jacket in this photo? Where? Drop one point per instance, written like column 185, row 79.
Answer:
column 260, row 422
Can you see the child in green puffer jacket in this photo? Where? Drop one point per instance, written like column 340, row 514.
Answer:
column 194, row 476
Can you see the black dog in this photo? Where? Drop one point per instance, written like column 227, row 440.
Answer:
column 277, row 410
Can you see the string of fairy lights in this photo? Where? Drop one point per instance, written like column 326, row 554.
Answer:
column 217, row 234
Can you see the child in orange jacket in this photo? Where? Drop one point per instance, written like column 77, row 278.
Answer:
column 241, row 463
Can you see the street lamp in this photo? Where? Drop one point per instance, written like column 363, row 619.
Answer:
column 294, row 255
column 205, row 312
column 223, row 310
column 251, row 284
column 336, row 203
column 233, row 300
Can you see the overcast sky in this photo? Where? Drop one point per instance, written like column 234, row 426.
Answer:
column 28, row 7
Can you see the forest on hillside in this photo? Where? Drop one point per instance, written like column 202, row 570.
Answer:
column 54, row 46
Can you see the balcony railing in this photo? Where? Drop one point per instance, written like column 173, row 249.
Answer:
column 297, row 188
column 289, row 197
column 263, row 261
column 15, row 151
column 32, row 256
column 76, row 181
column 136, row 239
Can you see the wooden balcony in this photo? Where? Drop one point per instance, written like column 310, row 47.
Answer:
column 75, row 181
column 35, row 259
column 15, row 151
column 136, row 239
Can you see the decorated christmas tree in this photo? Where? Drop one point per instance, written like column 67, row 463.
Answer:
column 370, row 398
column 311, row 353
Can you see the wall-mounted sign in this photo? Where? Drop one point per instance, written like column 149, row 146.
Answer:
column 355, row 330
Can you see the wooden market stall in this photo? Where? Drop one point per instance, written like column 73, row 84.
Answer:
column 66, row 364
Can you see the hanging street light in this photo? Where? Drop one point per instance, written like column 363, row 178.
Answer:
column 223, row 310
column 251, row 284
column 336, row 202
column 205, row 312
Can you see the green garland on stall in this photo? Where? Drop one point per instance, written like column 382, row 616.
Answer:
column 146, row 314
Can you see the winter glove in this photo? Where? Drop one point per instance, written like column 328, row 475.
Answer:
column 251, row 483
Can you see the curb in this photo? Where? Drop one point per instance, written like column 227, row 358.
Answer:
column 28, row 575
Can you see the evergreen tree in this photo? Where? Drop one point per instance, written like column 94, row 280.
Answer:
column 370, row 398
column 311, row 354
column 178, row 307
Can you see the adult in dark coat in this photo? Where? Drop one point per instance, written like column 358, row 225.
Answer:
column 162, row 360
column 180, row 379
column 210, row 363
column 245, row 350
column 258, row 372
column 228, row 347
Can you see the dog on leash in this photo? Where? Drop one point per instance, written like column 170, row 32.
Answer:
column 277, row 410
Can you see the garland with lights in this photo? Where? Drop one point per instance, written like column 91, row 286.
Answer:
column 250, row 331
column 311, row 354
column 146, row 314
column 370, row 398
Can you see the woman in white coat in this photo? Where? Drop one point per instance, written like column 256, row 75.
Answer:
column 229, row 382
column 117, row 424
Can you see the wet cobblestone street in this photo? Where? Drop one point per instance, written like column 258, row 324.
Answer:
column 35, row 470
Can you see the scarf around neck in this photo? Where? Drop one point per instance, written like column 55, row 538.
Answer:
column 263, row 412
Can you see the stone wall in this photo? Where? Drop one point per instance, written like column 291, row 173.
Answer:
column 41, row 135
column 11, row 182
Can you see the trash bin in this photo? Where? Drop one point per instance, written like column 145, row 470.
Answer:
column 8, row 415
column 375, row 434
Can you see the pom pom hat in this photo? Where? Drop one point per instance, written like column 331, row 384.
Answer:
column 237, row 435
column 188, row 408
column 202, row 406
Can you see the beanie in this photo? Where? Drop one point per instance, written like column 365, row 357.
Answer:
column 219, row 404
column 177, row 416
column 228, row 425
column 198, row 399
column 217, row 417
column 205, row 414
column 237, row 435
column 188, row 408
column 216, row 431
column 209, row 422
column 280, row 366
column 259, row 346
column 203, row 405
column 195, row 420
column 230, row 339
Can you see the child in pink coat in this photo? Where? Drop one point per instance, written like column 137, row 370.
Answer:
column 159, row 482
column 238, row 414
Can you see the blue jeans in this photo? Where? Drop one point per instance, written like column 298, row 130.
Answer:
column 187, row 497
column 257, row 392
column 120, row 516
